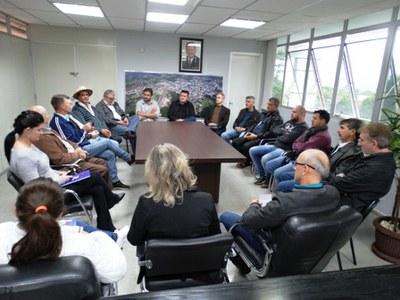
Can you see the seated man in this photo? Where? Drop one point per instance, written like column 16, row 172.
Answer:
column 346, row 152
column 262, row 130
column 182, row 110
column 247, row 117
column 87, row 138
column 147, row 109
column 119, row 123
column 315, row 137
column 309, row 196
column 370, row 177
column 84, row 112
column 286, row 134
column 218, row 116
column 62, row 151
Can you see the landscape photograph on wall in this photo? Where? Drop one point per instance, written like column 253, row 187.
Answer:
column 166, row 88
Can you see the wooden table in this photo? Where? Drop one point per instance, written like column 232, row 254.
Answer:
column 205, row 149
column 367, row 283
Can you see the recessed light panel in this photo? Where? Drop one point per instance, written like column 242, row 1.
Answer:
column 240, row 23
column 83, row 10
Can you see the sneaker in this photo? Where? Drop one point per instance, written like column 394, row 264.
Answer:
column 120, row 185
column 260, row 180
column 121, row 235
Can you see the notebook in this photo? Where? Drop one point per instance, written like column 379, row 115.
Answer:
column 78, row 177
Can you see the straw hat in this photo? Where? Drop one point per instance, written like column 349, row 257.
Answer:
column 81, row 89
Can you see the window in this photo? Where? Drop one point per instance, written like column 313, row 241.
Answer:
column 3, row 23
column 18, row 28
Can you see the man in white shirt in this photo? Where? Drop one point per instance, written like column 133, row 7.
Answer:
column 147, row 109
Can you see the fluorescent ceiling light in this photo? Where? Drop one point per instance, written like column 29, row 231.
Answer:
column 171, row 2
column 240, row 23
column 166, row 18
column 83, row 10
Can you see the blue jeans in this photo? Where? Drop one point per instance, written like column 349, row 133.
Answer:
column 286, row 186
column 228, row 219
column 263, row 153
column 274, row 164
column 190, row 119
column 120, row 130
column 230, row 135
column 107, row 149
column 87, row 228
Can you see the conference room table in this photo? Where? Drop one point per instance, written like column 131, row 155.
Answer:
column 380, row 283
column 205, row 149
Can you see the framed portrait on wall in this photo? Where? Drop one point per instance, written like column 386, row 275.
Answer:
column 190, row 55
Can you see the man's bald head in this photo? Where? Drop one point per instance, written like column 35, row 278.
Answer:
column 41, row 110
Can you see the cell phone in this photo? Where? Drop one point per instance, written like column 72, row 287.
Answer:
column 265, row 198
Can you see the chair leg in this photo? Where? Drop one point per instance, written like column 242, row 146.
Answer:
column 339, row 260
column 127, row 145
column 353, row 253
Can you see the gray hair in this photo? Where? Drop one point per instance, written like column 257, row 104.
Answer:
column 108, row 92
column 252, row 98
column 318, row 159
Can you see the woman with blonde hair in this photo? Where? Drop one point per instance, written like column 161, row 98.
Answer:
column 172, row 207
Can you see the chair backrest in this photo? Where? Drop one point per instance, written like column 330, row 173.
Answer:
column 14, row 180
column 306, row 243
column 171, row 263
column 366, row 210
column 70, row 277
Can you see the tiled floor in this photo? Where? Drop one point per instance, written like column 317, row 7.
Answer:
column 237, row 190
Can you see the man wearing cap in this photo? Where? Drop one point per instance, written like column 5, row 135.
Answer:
column 85, row 112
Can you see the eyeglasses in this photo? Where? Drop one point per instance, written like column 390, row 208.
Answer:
column 301, row 164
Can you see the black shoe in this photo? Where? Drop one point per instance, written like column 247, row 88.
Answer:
column 265, row 185
column 129, row 135
column 119, row 197
column 242, row 165
column 120, row 185
column 131, row 160
column 240, row 264
column 260, row 180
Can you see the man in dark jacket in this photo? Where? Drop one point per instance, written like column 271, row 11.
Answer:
column 247, row 117
column 218, row 116
column 309, row 196
column 371, row 177
column 262, row 130
column 182, row 110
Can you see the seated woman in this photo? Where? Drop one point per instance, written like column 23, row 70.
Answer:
column 28, row 162
column 38, row 235
column 172, row 207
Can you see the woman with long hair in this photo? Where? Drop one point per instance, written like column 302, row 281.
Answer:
column 38, row 235
column 28, row 162
column 172, row 207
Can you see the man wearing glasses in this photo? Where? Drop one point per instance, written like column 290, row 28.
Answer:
column 309, row 195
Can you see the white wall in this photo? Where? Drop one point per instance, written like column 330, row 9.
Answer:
column 158, row 52
column 17, row 84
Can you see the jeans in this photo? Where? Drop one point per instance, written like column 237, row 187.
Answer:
column 107, row 149
column 274, row 164
column 228, row 219
column 230, row 135
column 87, row 228
column 286, row 186
column 263, row 153
column 190, row 119
column 120, row 130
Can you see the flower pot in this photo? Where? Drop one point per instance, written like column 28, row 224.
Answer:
column 387, row 242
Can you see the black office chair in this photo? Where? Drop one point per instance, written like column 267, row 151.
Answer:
column 176, row 263
column 70, row 277
column 82, row 204
column 303, row 244
column 365, row 212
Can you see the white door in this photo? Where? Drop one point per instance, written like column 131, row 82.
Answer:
column 245, row 71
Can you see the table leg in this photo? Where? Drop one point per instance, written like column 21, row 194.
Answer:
column 208, row 178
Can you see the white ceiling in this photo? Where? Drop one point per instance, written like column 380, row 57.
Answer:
column 282, row 16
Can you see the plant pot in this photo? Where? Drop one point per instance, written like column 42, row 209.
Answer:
column 387, row 242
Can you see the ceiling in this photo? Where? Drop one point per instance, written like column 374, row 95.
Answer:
column 282, row 16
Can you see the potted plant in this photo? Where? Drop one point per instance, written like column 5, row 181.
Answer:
column 387, row 228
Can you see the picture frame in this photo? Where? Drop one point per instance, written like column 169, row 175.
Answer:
column 190, row 55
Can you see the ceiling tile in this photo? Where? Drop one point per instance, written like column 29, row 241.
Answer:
column 161, row 27
column 197, row 29
column 281, row 6
column 239, row 4
column 224, row 31
column 254, row 34
column 133, row 9
column 127, row 24
column 210, row 15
